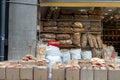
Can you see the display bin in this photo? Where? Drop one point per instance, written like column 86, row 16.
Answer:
column 12, row 73
column 72, row 74
column 41, row 73
column 26, row 73
column 58, row 74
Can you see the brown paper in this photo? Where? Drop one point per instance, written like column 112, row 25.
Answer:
column 113, row 74
column 26, row 73
column 41, row 73
column 58, row 74
column 12, row 74
column 100, row 74
column 86, row 74
column 72, row 74
column 2, row 73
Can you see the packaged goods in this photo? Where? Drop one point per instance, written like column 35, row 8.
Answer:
column 76, row 39
column 41, row 73
column 82, row 17
column 66, row 56
column 62, row 36
column 78, row 29
column 49, row 23
column 75, row 53
column 45, row 40
column 85, row 63
column 53, row 51
column 50, row 28
column 90, row 40
column 84, row 40
column 64, row 24
column 41, row 51
column 99, row 41
column 78, row 24
column 98, row 53
column 65, row 29
column 65, row 42
column 29, row 57
column 86, row 54
column 55, row 43
column 82, row 12
column 66, row 17
column 95, row 41
column 58, row 65
column 50, row 36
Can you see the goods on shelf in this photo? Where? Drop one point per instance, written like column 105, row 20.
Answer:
column 49, row 36
column 66, row 42
column 76, row 39
column 84, row 41
column 67, row 24
column 62, row 36
column 54, row 28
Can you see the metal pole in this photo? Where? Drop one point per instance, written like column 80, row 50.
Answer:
column 2, row 35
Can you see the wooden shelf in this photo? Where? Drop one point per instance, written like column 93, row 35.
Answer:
column 111, row 35
column 68, row 46
column 87, row 20
column 110, row 42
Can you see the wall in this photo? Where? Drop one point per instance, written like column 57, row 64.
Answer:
column 22, row 28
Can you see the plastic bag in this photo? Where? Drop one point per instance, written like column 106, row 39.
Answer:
column 86, row 54
column 66, row 56
column 75, row 54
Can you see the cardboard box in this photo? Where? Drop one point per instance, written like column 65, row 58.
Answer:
column 100, row 74
column 72, row 74
column 12, row 73
column 2, row 73
column 113, row 74
column 86, row 74
column 26, row 73
column 41, row 73
column 58, row 74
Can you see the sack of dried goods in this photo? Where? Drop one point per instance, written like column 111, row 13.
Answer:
column 76, row 39
column 84, row 41
column 62, row 36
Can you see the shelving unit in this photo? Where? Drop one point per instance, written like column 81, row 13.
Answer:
column 111, row 34
column 88, row 24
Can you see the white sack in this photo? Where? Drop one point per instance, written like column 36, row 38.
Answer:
column 66, row 56
column 53, row 51
column 86, row 54
column 75, row 54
